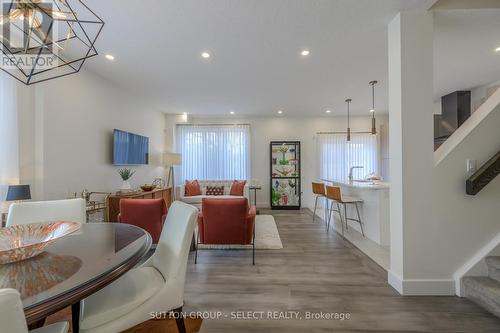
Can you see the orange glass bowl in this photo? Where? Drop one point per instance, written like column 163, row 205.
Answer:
column 20, row 242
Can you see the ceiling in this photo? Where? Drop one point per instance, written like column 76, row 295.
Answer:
column 255, row 66
column 464, row 49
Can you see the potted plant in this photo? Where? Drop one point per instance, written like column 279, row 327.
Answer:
column 126, row 174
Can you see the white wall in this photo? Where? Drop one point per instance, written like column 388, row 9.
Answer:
column 480, row 94
column 66, row 136
column 465, row 224
column 413, row 241
column 435, row 227
column 303, row 129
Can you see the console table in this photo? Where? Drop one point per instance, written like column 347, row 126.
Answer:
column 114, row 200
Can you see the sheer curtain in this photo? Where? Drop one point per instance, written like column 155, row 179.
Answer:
column 336, row 155
column 9, row 148
column 214, row 152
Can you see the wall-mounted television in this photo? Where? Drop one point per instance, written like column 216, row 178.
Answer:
column 129, row 148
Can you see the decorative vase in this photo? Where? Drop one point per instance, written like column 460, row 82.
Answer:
column 126, row 186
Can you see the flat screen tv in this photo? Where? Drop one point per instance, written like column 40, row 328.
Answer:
column 129, row 148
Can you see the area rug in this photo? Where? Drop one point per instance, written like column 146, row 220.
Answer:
column 193, row 325
column 267, row 236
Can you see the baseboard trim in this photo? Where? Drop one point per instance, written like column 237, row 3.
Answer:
column 395, row 281
column 421, row 287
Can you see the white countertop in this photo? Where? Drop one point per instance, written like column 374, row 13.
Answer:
column 363, row 185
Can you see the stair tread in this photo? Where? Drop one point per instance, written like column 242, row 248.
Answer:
column 484, row 291
column 493, row 261
column 486, row 286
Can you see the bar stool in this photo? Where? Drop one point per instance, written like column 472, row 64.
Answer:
column 335, row 194
column 319, row 190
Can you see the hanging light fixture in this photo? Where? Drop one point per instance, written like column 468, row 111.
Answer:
column 44, row 39
column 348, row 101
column 374, row 125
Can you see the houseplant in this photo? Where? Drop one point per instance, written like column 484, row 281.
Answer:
column 126, row 174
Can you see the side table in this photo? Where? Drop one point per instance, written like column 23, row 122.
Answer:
column 255, row 188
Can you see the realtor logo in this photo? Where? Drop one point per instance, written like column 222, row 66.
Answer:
column 26, row 36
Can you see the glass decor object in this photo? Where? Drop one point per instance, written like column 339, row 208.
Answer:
column 45, row 39
column 24, row 241
column 285, row 175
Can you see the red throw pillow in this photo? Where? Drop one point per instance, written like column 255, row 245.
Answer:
column 237, row 188
column 192, row 188
column 215, row 190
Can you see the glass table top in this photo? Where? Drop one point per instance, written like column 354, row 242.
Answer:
column 73, row 261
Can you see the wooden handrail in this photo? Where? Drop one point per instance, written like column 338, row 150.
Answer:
column 483, row 176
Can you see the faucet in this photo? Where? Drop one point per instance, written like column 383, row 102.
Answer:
column 350, row 171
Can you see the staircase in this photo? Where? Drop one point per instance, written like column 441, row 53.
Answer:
column 485, row 290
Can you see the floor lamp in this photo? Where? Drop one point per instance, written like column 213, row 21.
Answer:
column 170, row 160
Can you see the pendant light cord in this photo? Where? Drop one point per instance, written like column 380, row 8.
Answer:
column 374, row 128
column 373, row 100
column 348, row 101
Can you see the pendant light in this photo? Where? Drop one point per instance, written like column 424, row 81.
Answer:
column 374, row 125
column 348, row 101
column 42, row 40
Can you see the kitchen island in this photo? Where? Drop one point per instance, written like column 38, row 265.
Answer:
column 374, row 213
column 374, row 210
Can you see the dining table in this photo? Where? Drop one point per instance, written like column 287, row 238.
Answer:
column 75, row 267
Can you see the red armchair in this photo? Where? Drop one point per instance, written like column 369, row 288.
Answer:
column 148, row 214
column 226, row 221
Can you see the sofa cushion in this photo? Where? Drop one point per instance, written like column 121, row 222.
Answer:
column 192, row 188
column 237, row 187
column 215, row 190
column 198, row 198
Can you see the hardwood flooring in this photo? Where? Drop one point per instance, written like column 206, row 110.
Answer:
column 316, row 272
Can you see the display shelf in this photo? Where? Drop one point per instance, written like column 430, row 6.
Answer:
column 285, row 168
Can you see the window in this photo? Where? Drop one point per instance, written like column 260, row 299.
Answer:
column 213, row 152
column 337, row 156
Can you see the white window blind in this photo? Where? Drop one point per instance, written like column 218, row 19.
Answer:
column 337, row 156
column 214, row 152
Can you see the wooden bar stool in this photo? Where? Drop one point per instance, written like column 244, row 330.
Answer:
column 335, row 194
column 319, row 190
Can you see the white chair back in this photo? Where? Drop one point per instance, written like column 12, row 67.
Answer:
column 171, row 255
column 47, row 211
column 11, row 312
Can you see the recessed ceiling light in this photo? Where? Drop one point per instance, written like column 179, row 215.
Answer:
column 205, row 55
column 305, row 52
column 232, row 112
column 328, row 111
column 497, row 49
column 280, row 111
column 110, row 57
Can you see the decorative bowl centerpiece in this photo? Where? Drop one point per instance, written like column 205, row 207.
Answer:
column 33, row 276
column 20, row 242
column 147, row 187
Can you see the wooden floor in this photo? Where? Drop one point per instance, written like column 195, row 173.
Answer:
column 317, row 272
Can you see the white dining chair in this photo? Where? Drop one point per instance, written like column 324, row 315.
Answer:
column 47, row 211
column 157, row 286
column 12, row 316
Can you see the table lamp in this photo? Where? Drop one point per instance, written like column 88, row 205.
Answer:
column 17, row 193
column 170, row 160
